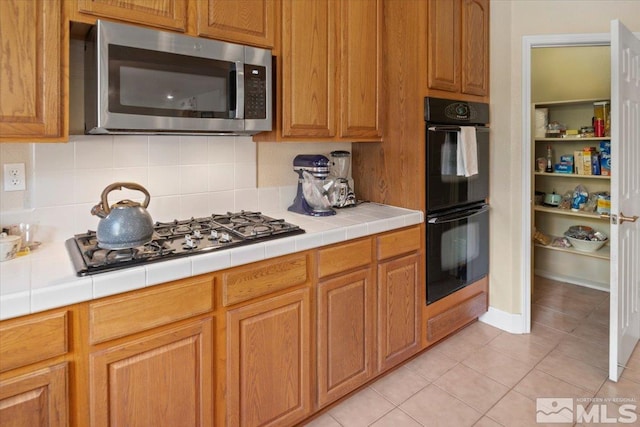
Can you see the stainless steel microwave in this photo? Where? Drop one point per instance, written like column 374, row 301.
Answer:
column 139, row 80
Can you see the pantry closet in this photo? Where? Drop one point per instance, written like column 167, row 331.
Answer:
column 567, row 82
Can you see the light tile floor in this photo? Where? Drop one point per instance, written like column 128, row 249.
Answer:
column 485, row 377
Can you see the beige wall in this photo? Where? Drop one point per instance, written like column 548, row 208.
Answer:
column 570, row 73
column 510, row 21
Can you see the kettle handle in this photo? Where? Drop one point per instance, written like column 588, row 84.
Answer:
column 120, row 186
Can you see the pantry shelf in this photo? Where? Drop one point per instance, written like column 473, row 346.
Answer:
column 602, row 253
column 568, row 212
column 571, row 175
column 599, row 138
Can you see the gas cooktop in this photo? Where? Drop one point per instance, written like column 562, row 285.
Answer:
column 178, row 238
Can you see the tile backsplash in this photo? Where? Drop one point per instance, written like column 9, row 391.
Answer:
column 185, row 175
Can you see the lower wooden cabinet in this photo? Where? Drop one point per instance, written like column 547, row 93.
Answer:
column 163, row 379
column 454, row 311
column 36, row 399
column 269, row 361
column 346, row 333
column 399, row 308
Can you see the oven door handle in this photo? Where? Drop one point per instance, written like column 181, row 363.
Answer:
column 459, row 215
column 455, row 128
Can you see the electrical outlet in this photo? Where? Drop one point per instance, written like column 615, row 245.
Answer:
column 14, row 177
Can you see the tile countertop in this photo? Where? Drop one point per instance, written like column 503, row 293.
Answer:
column 45, row 279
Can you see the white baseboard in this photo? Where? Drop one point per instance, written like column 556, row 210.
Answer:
column 573, row 280
column 512, row 323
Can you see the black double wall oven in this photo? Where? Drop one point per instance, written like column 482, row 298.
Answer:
column 457, row 190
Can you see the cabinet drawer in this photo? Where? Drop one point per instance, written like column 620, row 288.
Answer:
column 245, row 283
column 144, row 310
column 399, row 242
column 344, row 257
column 21, row 342
column 456, row 317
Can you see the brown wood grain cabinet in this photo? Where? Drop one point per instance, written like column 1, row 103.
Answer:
column 268, row 315
column 36, row 399
column 166, row 14
column 163, row 378
column 150, row 360
column 329, row 72
column 34, row 370
column 33, row 60
column 446, row 316
column 250, row 22
column 345, row 319
column 458, row 48
column 400, row 296
column 269, row 361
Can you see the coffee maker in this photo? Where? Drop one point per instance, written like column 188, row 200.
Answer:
column 312, row 197
column 340, row 193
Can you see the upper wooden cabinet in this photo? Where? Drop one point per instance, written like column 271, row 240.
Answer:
column 251, row 22
column 169, row 14
column 329, row 72
column 34, row 70
column 242, row 21
column 458, row 48
column 475, row 47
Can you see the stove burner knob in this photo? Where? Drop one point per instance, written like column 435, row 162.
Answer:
column 197, row 234
column 189, row 243
column 224, row 237
column 214, row 235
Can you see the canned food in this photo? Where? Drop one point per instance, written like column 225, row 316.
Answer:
column 598, row 128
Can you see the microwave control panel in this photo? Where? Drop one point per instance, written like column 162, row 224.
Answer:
column 255, row 92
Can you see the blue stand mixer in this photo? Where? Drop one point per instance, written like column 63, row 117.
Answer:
column 311, row 198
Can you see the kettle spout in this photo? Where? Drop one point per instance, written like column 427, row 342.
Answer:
column 98, row 211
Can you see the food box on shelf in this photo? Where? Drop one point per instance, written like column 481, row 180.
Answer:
column 605, row 163
column 579, row 162
column 563, row 168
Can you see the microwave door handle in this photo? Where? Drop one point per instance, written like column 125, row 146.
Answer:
column 459, row 215
column 239, row 111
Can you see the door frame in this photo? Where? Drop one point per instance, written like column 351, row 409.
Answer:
column 529, row 43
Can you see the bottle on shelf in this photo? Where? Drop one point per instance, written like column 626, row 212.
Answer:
column 549, row 167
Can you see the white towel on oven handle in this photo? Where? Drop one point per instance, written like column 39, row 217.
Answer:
column 467, row 152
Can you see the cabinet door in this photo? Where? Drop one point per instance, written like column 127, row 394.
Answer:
column 169, row 14
column 31, row 60
column 36, row 399
column 360, row 68
column 475, row 47
column 308, row 68
column 161, row 379
column 269, row 362
column 242, row 21
column 346, row 331
column 399, row 306
column 444, row 45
